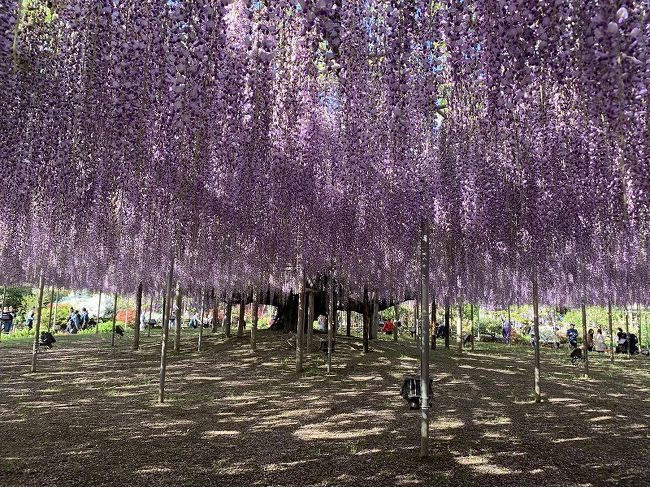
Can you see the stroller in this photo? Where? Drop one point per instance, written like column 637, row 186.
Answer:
column 46, row 339
column 576, row 356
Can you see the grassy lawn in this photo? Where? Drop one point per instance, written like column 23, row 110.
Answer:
column 236, row 417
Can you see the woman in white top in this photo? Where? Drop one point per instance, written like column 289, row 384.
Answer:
column 599, row 341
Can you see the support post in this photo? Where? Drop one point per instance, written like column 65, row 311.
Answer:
column 99, row 310
column 366, row 320
column 585, row 347
column 114, row 317
column 509, row 328
column 538, row 386
column 348, row 319
column 424, row 348
column 178, row 317
column 49, row 321
column 126, row 316
column 611, row 331
column 39, row 312
column 242, row 318
column 638, row 322
column 331, row 330
column 434, row 323
column 310, row 321
column 150, row 312
column 2, row 307
column 300, row 330
column 204, row 295
column 459, row 327
column 627, row 330
column 471, row 317
column 447, row 319
column 374, row 333
column 138, row 313
column 56, row 306
column 255, row 309
column 165, row 330
column 416, row 319
column 215, row 311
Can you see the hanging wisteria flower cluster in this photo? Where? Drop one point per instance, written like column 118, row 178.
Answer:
column 248, row 138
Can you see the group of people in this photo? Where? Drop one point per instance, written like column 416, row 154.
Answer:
column 595, row 340
column 77, row 321
column 7, row 319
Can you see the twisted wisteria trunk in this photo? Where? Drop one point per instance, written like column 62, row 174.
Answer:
column 227, row 320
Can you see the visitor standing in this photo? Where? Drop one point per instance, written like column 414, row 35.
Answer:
column 7, row 319
column 507, row 329
column 572, row 335
column 599, row 341
column 29, row 321
column 85, row 318
column 143, row 320
column 590, row 339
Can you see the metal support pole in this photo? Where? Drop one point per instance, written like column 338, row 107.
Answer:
column 424, row 347
column 538, row 386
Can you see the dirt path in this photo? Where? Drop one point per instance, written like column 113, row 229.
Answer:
column 235, row 417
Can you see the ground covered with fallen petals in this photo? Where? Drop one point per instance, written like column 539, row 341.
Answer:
column 236, row 417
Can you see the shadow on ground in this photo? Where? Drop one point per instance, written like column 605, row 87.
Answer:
column 237, row 417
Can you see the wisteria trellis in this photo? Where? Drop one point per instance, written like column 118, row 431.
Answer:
column 236, row 131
